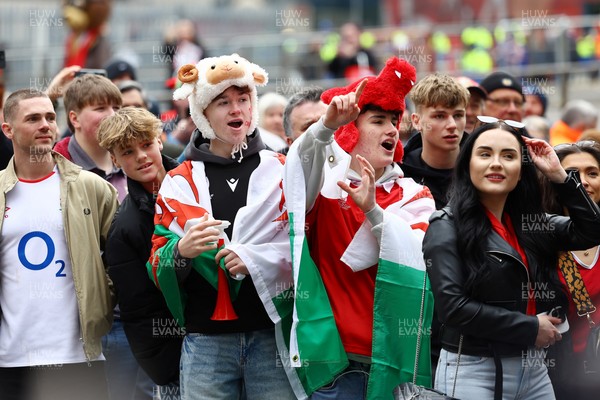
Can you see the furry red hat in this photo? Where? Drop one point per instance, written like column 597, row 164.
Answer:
column 386, row 90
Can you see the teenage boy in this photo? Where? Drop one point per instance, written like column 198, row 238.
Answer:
column 131, row 136
column 89, row 99
column 439, row 118
column 55, row 298
column 228, row 176
column 357, row 227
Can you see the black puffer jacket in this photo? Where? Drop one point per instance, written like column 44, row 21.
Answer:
column 151, row 331
column 493, row 317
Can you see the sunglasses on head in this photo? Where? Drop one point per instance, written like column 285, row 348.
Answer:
column 581, row 144
column 492, row 120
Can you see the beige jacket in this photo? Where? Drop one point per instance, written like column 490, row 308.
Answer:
column 88, row 203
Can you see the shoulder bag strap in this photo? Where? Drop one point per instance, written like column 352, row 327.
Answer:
column 576, row 286
column 419, row 335
column 420, row 329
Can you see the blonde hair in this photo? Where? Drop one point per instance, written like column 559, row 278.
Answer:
column 439, row 90
column 127, row 126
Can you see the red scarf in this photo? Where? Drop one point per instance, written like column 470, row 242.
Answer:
column 507, row 232
column 78, row 46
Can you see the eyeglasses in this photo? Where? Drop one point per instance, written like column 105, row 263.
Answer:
column 506, row 102
column 581, row 144
column 492, row 120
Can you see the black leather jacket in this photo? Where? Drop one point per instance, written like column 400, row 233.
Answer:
column 493, row 317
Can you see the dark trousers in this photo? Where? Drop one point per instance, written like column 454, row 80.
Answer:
column 66, row 381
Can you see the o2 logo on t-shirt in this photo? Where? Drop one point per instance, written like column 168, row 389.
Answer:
column 51, row 250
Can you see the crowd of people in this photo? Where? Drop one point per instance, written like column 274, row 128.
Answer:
column 529, row 43
column 331, row 244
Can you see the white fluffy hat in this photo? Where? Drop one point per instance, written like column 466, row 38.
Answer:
column 210, row 77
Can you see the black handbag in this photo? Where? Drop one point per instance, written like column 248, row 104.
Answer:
column 412, row 391
column 585, row 308
column 592, row 351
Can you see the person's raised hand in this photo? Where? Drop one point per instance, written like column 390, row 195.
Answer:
column 59, row 83
column 364, row 194
column 545, row 159
column 343, row 108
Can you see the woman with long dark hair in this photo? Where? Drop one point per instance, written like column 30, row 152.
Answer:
column 490, row 255
column 574, row 377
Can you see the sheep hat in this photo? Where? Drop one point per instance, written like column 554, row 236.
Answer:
column 203, row 82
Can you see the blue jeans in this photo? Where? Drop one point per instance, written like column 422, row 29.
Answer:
column 233, row 366
column 524, row 378
column 126, row 379
column 349, row 385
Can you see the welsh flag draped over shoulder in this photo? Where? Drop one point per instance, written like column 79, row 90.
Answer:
column 315, row 346
column 259, row 238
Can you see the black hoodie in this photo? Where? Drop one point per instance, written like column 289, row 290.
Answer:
column 228, row 186
column 437, row 180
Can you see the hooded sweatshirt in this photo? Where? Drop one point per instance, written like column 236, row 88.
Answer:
column 228, row 186
column 437, row 180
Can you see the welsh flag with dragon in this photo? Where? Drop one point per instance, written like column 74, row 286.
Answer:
column 259, row 237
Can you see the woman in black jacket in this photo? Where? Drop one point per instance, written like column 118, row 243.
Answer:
column 491, row 255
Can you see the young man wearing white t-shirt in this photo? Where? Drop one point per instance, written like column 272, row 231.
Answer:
column 55, row 299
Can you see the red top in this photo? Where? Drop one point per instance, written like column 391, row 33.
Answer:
column 579, row 326
column 507, row 232
column 350, row 293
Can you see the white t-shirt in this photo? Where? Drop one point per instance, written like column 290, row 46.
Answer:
column 39, row 324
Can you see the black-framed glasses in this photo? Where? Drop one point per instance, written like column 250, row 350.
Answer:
column 506, row 102
column 492, row 120
column 582, row 144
